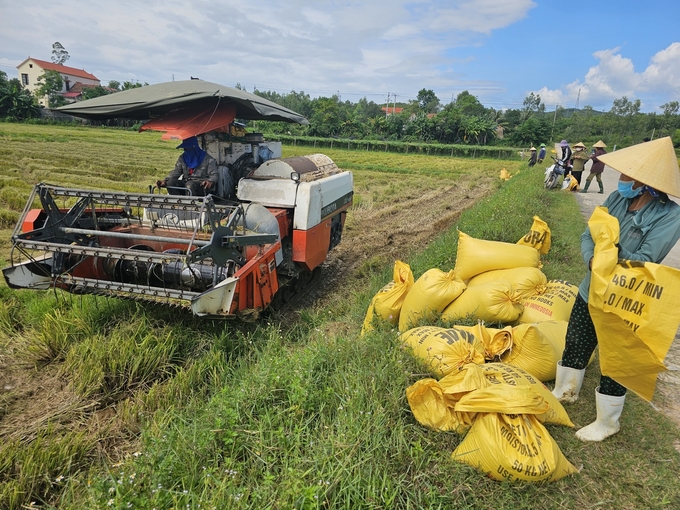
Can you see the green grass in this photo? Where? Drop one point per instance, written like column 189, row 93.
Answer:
column 286, row 415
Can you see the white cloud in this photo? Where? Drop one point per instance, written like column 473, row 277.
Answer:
column 323, row 45
column 614, row 77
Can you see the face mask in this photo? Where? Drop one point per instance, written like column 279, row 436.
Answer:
column 626, row 189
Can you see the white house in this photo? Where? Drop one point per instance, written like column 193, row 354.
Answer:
column 32, row 68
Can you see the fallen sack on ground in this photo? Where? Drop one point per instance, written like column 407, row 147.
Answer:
column 476, row 256
column 571, row 185
column 533, row 352
column 538, row 237
column 433, row 408
column 509, row 447
column 490, row 302
column 634, row 307
column 495, row 341
column 433, row 403
column 428, row 296
column 387, row 303
column 554, row 304
column 443, row 350
column 526, row 281
column 504, row 174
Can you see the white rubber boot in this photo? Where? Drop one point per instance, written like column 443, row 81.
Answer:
column 608, row 413
column 568, row 383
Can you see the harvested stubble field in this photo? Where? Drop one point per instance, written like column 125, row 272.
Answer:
column 108, row 403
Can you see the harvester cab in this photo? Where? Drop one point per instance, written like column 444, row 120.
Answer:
column 266, row 231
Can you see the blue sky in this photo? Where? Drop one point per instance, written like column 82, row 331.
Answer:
column 498, row 50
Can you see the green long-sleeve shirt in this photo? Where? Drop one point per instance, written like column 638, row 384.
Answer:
column 646, row 235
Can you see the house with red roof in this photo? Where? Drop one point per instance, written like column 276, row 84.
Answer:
column 391, row 110
column 74, row 79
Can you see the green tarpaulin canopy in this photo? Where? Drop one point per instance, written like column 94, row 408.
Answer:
column 152, row 101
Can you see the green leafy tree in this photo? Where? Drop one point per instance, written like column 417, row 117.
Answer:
column 532, row 105
column 50, row 85
column 531, row 131
column 92, row 92
column 670, row 108
column 16, row 103
column 127, row 85
column 113, row 84
column 670, row 116
column 59, row 53
column 325, row 120
column 428, row 102
column 469, row 105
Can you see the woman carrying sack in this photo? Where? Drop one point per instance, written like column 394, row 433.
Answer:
column 649, row 226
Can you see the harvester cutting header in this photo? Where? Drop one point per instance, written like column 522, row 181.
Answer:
column 264, row 231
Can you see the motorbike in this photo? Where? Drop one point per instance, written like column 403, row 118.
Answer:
column 554, row 172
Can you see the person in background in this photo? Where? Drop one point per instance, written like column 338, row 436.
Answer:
column 578, row 161
column 532, row 158
column 566, row 155
column 597, row 168
column 649, row 226
column 195, row 170
column 541, row 153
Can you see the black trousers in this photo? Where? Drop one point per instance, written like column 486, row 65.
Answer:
column 580, row 344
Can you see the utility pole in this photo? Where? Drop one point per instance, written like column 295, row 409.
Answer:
column 387, row 105
column 395, row 103
column 578, row 97
column 553, row 126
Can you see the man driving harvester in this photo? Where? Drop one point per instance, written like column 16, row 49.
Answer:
column 195, row 170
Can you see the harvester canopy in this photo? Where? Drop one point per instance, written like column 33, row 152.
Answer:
column 184, row 108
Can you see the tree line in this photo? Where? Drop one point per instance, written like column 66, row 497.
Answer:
column 463, row 121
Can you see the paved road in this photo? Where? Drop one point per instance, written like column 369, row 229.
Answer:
column 667, row 397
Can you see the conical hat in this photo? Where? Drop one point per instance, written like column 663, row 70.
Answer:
column 599, row 143
column 653, row 163
column 580, row 144
column 533, row 149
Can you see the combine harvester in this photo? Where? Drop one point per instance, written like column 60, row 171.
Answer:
column 263, row 235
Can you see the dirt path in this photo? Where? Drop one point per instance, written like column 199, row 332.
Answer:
column 667, row 396
column 382, row 236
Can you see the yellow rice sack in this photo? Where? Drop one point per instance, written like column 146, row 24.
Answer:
column 443, row 350
column 510, row 447
column 472, row 377
column 494, row 301
column 533, row 352
column 495, row 341
column 434, row 409
column 428, row 296
column 525, row 281
column 555, row 332
column 554, row 304
column 475, row 256
column 387, row 303
column 434, row 403
column 538, row 237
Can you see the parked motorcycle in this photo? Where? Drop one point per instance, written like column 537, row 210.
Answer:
column 554, row 172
